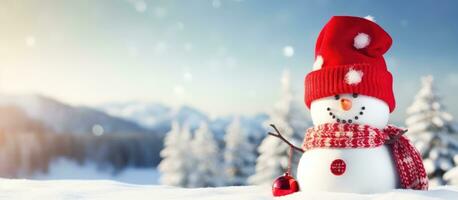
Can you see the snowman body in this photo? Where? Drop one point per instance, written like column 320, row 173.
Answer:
column 359, row 170
column 368, row 170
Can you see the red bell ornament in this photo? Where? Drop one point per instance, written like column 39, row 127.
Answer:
column 284, row 185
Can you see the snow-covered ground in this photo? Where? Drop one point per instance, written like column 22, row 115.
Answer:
column 67, row 169
column 104, row 189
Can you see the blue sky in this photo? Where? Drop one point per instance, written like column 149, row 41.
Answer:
column 221, row 56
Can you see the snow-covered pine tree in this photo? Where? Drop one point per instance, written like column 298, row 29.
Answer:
column 451, row 176
column 207, row 170
column 429, row 128
column 175, row 164
column 290, row 118
column 239, row 155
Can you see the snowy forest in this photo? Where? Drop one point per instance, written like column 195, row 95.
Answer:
column 186, row 148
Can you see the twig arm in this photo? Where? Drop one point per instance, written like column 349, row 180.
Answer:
column 280, row 136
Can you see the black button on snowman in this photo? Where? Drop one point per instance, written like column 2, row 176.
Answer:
column 351, row 147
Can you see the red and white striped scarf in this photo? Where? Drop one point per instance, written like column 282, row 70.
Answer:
column 408, row 160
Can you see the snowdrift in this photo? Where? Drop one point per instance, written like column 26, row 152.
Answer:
column 102, row 189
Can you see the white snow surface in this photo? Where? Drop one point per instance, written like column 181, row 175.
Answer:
column 63, row 169
column 104, row 189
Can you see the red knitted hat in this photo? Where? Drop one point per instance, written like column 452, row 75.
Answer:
column 349, row 59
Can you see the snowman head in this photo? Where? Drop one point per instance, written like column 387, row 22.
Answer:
column 350, row 108
column 350, row 82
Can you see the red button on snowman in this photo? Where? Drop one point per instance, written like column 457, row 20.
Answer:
column 338, row 167
column 349, row 92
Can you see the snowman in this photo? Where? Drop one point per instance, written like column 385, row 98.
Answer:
column 351, row 147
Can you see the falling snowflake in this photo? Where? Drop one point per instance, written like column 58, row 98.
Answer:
column 160, row 12
column 97, row 130
column 187, row 76
column 140, row 6
column 216, row 3
column 288, row 51
column 178, row 90
column 160, row 48
column 30, row 41
column 180, row 26
column 188, row 46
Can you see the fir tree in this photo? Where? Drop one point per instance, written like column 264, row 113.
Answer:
column 431, row 132
column 238, row 155
column 175, row 164
column 290, row 118
column 451, row 176
column 206, row 171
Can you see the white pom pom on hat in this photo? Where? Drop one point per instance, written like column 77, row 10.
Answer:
column 361, row 41
column 353, row 77
column 370, row 18
column 318, row 63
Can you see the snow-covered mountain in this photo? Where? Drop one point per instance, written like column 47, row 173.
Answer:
column 158, row 118
column 128, row 117
column 148, row 115
column 64, row 118
column 154, row 116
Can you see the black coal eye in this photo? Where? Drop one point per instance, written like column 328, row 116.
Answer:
column 337, row 97
column 355, row 95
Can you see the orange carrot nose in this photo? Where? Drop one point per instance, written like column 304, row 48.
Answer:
column 345, row 104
